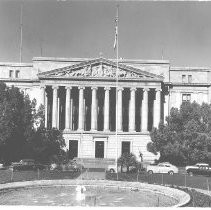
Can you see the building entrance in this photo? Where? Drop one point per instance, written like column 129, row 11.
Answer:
column 125, row 147
column 99, row 149
column 73, row 149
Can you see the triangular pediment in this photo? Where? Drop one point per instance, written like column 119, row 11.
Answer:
column 99, row 68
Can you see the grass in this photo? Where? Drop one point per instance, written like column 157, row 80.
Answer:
column 7, row 176
column 197, row 199
column 182, row 180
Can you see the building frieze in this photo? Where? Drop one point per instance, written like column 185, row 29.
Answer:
column 100, row 68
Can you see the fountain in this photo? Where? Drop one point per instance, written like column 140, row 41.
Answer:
column 80, row 194
column 90, row 193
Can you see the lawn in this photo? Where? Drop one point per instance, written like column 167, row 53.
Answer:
column 8, row 176
column 197, row 199
column 182, row 180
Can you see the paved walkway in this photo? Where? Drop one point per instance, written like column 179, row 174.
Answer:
column 92, row 175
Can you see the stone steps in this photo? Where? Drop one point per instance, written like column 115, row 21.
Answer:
column 95, row 162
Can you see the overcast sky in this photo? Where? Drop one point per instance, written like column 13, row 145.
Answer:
column 182, row 30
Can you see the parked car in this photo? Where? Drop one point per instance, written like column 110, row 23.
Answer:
column 199, row 169
column 26, row 164
column 113, row 168
column 162, row 168
column 2, row 166
column 71, row 165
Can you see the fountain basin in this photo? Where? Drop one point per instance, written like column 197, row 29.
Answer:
column 98, row 193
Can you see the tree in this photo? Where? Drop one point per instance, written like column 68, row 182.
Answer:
column 16, row 122
column 185, row 139
column 47, row 145
column 39, row 116
column 127, row 160
column 22, row 131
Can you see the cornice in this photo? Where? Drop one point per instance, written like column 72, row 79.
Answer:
column 132, row 61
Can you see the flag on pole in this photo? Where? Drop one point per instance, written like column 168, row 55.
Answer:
column 116, row 30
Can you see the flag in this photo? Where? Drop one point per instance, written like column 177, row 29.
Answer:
column 116, row 30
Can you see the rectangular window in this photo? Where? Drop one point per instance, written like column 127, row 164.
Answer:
column 189, row 78
column 17, row 74
column 126, row 147
column 186, row 97
column 11, row 74
column 183, row 78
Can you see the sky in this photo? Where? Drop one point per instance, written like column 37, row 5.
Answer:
column 176, row 31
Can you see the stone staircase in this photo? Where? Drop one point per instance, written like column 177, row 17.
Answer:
column 101, row 163
column 92, row 175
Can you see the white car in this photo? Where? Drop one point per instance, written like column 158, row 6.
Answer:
column 1, row 166
column 165, row 168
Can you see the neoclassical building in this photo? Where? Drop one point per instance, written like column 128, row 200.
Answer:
column 103, row 110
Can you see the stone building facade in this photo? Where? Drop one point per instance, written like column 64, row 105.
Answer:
column 103, row 110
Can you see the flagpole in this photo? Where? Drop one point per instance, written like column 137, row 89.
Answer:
column 21, row 31
column 117, row 73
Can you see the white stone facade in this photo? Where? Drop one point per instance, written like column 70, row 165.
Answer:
column 83, row 98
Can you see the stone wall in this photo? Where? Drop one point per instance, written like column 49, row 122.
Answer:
column 86, row 144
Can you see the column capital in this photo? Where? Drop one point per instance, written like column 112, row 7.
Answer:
column 158, row 89
column 120, row 88
column 55, row 87
column 81, row 87
column 94, row 88
column 146, row 89
column 133, row 89
column 68, row 87
column 107, row 88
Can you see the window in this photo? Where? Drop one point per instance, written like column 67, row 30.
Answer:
column 183, row 78
column 186, row 97
column 126, row 147
column 17, row 74
column 189, row 78
column 11, row 74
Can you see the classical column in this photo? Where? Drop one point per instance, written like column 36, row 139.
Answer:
column 71, row 114
column 94, row 109
column 132, row 112
column 68, row 108
column 55, row 108
column 46, row 110
column 144, row 111
column 44, row 102
column 119, row 109
column 166, row 107
column 157, row 108
column 42, row 88
column 58, row 113
column 209, row 95
column 81, row 109
column 106, row 109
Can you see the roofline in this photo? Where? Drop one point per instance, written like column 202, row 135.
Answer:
column 190, row 84
column 137, row 61
column 190, row 69
column 16, row 64
column 19, row 80
column 140, row 61
column 124, row 66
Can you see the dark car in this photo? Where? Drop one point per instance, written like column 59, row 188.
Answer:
column 199, row 169
column 71, row 165
column 26, row 164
